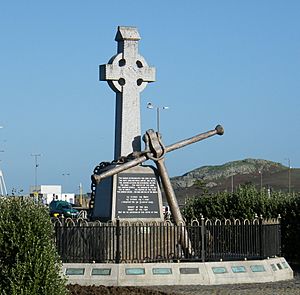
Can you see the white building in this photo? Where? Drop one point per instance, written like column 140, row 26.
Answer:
column 47, row 193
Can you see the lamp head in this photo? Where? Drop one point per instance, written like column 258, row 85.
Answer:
column 149, row 105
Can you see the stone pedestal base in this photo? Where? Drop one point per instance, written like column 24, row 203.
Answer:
column 192, row 273
column 132, row 195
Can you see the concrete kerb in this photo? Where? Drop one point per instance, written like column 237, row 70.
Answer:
column 189, row 273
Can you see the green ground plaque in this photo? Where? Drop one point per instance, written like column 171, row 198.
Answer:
column 162, row 271
column 257, row 268
column 101, row 271
column 189, row 270
column 238, row 269
column 219, row 270
column 285, row 264
column 274, row 268
column 75, row 271
column 135, row 271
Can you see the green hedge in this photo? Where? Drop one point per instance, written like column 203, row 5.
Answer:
column 29, row 263
column 246, row 202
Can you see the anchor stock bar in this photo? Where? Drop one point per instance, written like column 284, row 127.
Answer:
column 142, row 155
column 97, row 178
column 218, row 130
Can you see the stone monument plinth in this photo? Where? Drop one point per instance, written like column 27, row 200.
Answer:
column 135, row 194
column 130, row 195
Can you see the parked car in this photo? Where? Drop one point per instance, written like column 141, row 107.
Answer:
column 58, row 208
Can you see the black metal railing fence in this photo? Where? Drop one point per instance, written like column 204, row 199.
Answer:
column 203, row 240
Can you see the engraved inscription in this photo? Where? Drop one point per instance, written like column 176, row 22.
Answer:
column 137, row 196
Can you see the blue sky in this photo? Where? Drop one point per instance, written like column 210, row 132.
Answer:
column 234, row 63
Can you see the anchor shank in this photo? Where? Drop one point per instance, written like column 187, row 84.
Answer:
column 172, row 201
column 170, row 194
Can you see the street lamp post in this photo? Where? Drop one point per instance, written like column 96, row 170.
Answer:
column 35, row 169
column 151, row 106
column 66, row 174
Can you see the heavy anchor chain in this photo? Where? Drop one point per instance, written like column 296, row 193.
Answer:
column 99, row 169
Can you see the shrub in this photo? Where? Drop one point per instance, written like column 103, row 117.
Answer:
column 246, row 202
column 29, row 263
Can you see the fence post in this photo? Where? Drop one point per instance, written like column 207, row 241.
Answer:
column 202, row 239
column 118, row 235
column 261, row 240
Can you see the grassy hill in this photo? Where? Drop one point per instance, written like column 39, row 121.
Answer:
column 261, row 173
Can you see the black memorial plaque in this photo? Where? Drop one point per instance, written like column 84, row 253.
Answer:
column 137, row 196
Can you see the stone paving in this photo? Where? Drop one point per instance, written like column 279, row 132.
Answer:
column 285, row 287
column 291, row 287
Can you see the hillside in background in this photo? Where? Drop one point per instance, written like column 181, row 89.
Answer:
column 261, row 173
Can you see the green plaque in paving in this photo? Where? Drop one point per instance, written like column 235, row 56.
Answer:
column 285, row 264
column 274, row 268
column 219, row 270
column 101, row 271
column 189, row 270
column 238, row 269
column 135, row 271
column 162, row 271
column 75, row 271
column 257, row 268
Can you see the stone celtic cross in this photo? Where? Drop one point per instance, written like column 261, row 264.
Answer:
column 127, row 73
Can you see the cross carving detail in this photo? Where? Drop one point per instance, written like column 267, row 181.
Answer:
column 127, row 73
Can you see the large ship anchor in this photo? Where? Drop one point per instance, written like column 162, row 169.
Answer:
column 155, row 150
